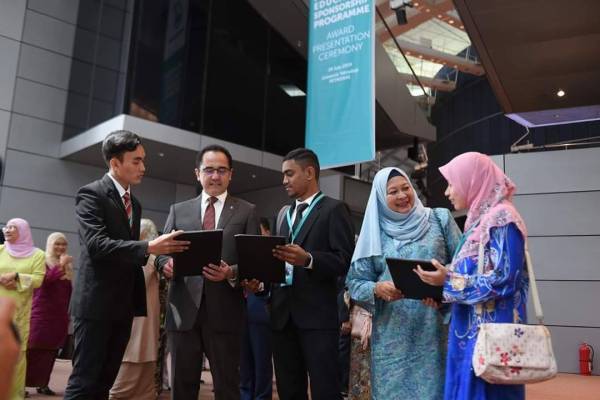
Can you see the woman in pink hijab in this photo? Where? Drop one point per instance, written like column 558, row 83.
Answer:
column 22, row 269
column 499, row 294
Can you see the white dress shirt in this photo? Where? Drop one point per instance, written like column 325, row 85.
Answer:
column 219, row 204
column 120, row 188
column 308, row 202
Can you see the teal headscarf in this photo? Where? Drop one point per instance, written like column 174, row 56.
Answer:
column 403, row 228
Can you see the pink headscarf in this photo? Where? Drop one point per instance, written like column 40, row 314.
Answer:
column 23, row 247
column 488, row 193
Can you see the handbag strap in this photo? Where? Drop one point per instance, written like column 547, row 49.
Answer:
column 535, row 296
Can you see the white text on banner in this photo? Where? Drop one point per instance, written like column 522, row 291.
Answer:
column 340, row 112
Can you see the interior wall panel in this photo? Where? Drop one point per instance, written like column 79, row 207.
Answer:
column 561, row 214
column 555, row 171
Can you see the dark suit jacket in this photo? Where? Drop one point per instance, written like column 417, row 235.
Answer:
column 109, row 283
column 311, row 301
column 224, row 303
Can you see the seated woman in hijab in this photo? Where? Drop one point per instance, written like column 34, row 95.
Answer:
column 408, row 339
column 476, row 184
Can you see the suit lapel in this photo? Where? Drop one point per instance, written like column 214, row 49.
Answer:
column 227, row 212
column 113, row 194
column 197, row 212
column 310, row 220
column 285, row 229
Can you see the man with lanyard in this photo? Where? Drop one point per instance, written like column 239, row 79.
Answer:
column 304, row 314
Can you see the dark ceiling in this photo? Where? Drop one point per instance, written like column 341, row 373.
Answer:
column 532, row 49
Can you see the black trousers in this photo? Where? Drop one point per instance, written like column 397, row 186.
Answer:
column 302, row 354
column 222, row 350
column 98, row 351
column 344, row 349
column 256, row 367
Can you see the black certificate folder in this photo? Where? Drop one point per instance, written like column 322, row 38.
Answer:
column 256, row 260
column 204, row 249
column 409, row 283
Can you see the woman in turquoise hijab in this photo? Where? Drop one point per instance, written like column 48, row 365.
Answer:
column 408, row 340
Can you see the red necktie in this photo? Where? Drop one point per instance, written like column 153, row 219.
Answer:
column 128, row 209
column 209, row 215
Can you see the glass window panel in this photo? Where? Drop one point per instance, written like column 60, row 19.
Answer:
column 285, row 114
column 235, row 89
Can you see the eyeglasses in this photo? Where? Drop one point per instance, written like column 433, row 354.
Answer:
column 221, row 171
column 9, row 228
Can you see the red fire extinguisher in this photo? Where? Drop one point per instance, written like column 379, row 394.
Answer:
column 586, row 359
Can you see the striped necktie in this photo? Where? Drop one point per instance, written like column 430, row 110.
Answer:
column 209, row 215
column 128, row 208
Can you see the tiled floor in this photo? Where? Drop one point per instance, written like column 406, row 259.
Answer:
column 563, row 387
column 62, row 369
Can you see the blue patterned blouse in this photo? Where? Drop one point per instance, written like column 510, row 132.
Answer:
column 409, row 339
column 502, row 294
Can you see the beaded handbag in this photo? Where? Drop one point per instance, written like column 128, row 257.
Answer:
column 511, row 354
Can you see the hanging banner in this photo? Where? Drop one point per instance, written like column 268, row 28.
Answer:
column 340, row 111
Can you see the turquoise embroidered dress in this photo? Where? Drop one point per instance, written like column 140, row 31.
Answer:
column 502, row 293
column 408, row 340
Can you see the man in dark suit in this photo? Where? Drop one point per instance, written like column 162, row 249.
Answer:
column 304, row 312
column 109, row 287
column 205, row 313
column 256, row 365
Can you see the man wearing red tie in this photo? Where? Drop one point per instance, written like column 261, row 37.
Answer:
column 205, row 313
column 109, row 287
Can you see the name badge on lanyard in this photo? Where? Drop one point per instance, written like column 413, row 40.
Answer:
column 289, row 269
